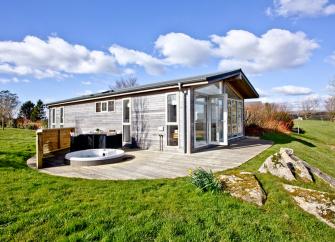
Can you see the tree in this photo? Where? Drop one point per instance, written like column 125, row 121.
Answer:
column 38, row 111
column 330, row 108
column 130, row 81
column 8, row 102
column 330, row 102
column 309, row 106
column 26, row 109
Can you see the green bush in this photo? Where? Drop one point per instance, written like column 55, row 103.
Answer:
column 205, row 180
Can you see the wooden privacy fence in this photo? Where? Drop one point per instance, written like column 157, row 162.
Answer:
column 51, row 140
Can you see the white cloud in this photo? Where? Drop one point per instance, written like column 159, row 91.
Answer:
column 126, row 56
column 86, row 83
column 276, row 49
column 331, row 58
column 181, row 49
column 13, row 80
column 54, row 57
column 293, row 90
column 300, row 8
column 261, row 92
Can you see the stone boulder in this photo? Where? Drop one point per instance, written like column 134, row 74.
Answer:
column 244, row 186
column 277, row 167
column 297, row 166
column 319, row 204
column 286, row 165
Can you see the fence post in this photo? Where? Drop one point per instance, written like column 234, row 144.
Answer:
column 39, row 149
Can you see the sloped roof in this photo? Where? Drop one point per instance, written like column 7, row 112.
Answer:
column 241, row 83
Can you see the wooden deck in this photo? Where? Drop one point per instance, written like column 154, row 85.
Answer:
column 145, row 164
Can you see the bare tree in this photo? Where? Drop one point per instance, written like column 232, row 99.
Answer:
column 8, row 103
column 330, row 108
column 330, row 102
column 309, row 107
column 130, row 81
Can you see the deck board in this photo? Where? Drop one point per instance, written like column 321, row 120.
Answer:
column 148, row 164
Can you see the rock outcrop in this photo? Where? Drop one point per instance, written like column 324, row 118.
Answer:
column 319, row 204
column 245, row 186
column 285, row 165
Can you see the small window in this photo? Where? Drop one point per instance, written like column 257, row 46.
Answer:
column 53, row 118
column 61, row 115
column 111, row 106
column 104, row 107
column 98, row 107
column 172, row 108
column 126, row 110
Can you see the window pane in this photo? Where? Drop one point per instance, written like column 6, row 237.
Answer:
column 126, row 111
column 53, row 115
column 126, row 133
column 172, row 135
column 61, row 115
column 200, row 115
column 172, row 108
column 98, row 107
column 103, row 107
column 110, row 106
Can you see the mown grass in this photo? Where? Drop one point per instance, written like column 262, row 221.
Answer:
column 36, row 206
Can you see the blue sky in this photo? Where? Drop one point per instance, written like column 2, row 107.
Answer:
column 61, row 49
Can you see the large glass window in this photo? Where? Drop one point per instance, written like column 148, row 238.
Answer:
column 200, row 119
column 126, row 111
column 172, row 120
column 126, row 120
column 172, row 108
column 235, row 117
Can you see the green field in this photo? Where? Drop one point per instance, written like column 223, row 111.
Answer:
column 35, row 206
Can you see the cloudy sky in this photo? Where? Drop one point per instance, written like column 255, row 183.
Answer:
column 63, row 49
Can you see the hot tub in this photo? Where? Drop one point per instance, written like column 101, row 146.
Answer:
column 94, row 157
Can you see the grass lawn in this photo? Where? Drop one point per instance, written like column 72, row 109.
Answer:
column 36, row 206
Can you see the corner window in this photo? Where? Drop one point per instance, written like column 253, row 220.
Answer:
column 171, row 119
column 61, row 115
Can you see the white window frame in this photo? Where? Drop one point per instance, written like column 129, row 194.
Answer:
column 53, row 116
column 172, row 123
column 112, row 100
column 60, row 115
column 126, row 123
column 106, row 102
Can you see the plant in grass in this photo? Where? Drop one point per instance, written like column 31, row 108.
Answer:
column 205, row 180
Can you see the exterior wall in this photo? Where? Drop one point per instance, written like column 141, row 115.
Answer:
column 84, row 118
column 148, row 119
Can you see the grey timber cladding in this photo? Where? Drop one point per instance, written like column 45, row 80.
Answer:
column 148, row 116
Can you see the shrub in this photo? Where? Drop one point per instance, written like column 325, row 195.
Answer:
column 267, row 117
column 205, row 180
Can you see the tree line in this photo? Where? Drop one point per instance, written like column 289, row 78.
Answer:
column 27, row 115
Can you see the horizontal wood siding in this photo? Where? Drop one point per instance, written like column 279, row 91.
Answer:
column 84, row 118
column 148, row 114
